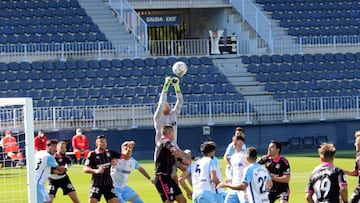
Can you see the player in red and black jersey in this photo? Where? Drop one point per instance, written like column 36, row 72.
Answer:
column 165, row 158
column 327, row 182
column 61, row 180
column 98, row 164
column 279, row 170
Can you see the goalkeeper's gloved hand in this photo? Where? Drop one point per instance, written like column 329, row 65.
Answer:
column 166, row 84
column 175, row 81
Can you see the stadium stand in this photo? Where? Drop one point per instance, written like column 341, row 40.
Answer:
column 93, row 82
column 315, row 18
column 46, row 22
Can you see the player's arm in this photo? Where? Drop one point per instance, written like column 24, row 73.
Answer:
column 184, row 157
column 179, row 97
column 183, row 184
column 226, row 155
column 89, row 166
column 354, row 172
column 57, row 168
column 213, row 176
column 145, row 173
column 308, row 197
column 343, row 186
column 241, row 186
column 285, row 178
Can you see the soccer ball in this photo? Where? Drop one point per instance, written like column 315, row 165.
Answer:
column 179, row 68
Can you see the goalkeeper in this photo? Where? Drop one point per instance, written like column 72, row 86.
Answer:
column 163, row 114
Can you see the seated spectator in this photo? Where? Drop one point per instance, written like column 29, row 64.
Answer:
column 80, row 144
column 11, row 147
column 40, row 141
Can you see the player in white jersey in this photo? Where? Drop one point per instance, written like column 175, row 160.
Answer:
column 203, row 173
column 256, row 180
column 238, row 164
column 230, row 149
column 219, row 193
column 44, row 161
column 120, row 171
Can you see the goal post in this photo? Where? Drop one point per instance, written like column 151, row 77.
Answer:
column 17, row 115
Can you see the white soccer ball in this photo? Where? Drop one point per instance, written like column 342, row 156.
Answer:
column 179, row 68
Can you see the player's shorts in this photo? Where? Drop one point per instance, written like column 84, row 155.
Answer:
column 355, row 197
column 63, row 183
column 124, row 194
column 219, row 197
column 203, row 196
column 42, row 194
column 167, row 187
column 236, row 196
column 96, row 192
column 273, row 196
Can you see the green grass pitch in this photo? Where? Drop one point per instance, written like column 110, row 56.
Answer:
column 301, row 167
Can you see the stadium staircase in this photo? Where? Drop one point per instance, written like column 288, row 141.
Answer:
column 243, row 81
column 108, row 23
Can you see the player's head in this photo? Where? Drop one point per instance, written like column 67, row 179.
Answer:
column 168, row 131
column 125, row 146
column 101, row 142
column 78, row 131
column 239, row 140
column 357, row 144
column 251, row 154
column 327, row 152
column 239, row 131
column 208, row 148
column 274, row 148
column 51, row 146
column 61, row 147
column 41, row 133
column 8, row 133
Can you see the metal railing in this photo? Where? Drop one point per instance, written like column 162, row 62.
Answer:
column 131, row 20
column 178, row 3
column 195, row 113
column 256, row 19
column 190, row 47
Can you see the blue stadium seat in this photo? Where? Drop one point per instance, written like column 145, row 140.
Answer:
column 105, row 92
column 117, row 92
column 70, row 94
column 93, row 93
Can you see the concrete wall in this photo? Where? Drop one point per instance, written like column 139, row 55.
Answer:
column 341, row 133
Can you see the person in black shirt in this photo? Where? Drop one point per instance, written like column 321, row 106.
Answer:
column 326, row 182
column 61, row 180
column 165, row 158
column 98, row 164
column 279, row 170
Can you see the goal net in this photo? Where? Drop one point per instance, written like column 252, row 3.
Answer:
column 17, row 179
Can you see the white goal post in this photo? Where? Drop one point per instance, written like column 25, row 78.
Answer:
column 16, row 115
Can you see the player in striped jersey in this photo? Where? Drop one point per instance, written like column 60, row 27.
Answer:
column 120, row 171
column 256, row 180
column 61, row 180
column 44, row 160
column 203, row 173
column 327, row 182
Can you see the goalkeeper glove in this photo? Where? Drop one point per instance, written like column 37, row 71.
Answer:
column 175, row 81
column 166, row 84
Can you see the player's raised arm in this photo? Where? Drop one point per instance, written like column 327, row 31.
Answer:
column 162, row 99
column 179, row 97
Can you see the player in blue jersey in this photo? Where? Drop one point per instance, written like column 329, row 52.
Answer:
column 120, row 171
column 44, row 161
column 203, row 174
column 256, row 180
column 327, row 183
